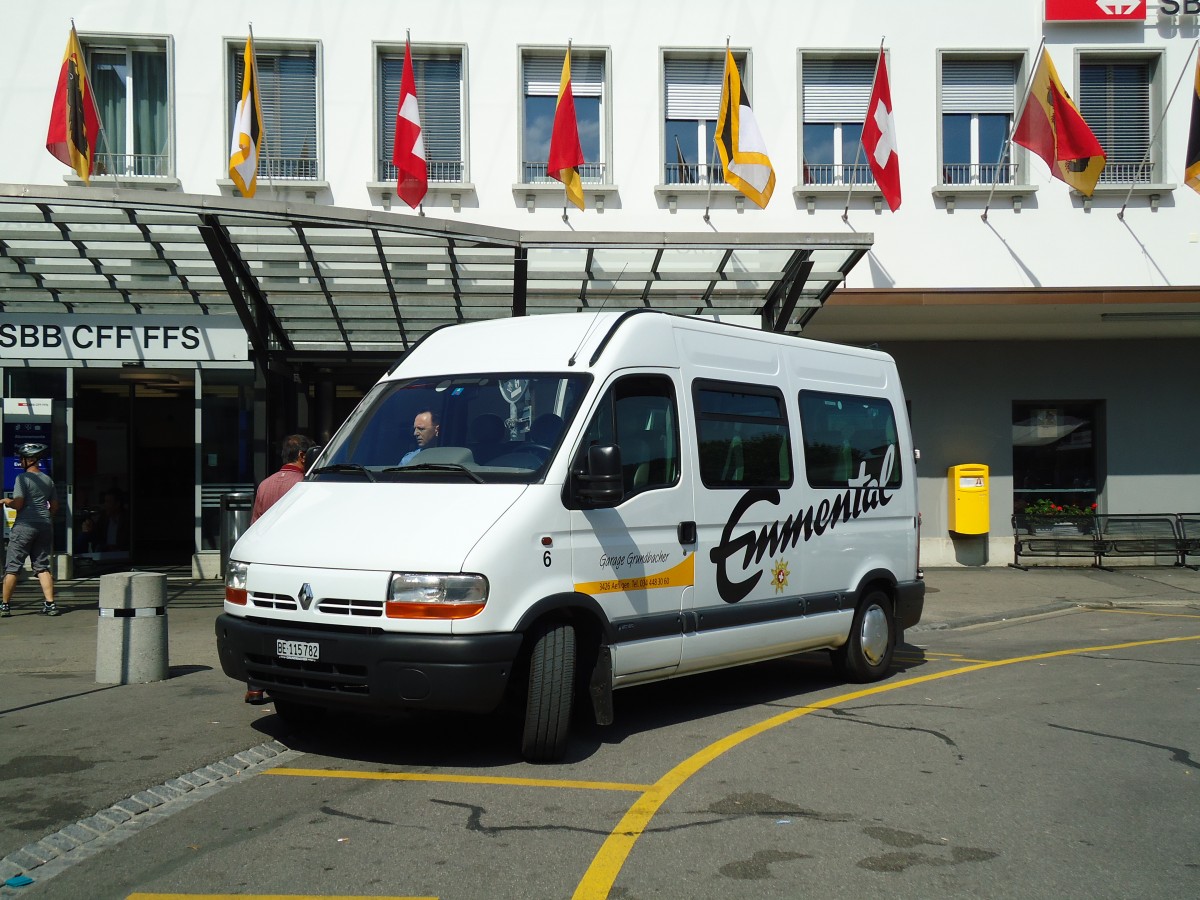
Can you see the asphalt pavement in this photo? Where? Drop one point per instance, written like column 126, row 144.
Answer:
column 80, row 761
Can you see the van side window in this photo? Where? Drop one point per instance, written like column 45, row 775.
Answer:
column 742, row 435
column 848, row 438
column 639, row 414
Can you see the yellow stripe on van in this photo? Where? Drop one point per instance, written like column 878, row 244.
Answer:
column 682, row 575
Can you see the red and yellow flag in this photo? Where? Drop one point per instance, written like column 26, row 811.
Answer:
column 74, row 121
column 566, row 156
column 1052, row 127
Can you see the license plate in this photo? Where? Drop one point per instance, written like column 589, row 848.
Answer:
column 301, row 650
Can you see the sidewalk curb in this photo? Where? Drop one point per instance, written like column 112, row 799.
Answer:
column 74, row 843
column 989, row 618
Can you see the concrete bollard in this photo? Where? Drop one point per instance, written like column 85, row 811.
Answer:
column 131, row 633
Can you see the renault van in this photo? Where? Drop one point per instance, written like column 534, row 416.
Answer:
column 597, row 501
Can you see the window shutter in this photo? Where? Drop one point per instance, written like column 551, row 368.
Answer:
column 1114, row 99
column 693, row 87
column 439, row 100
column 837, row 90
column 979, row 86
column 288, row 84
column 542, row 75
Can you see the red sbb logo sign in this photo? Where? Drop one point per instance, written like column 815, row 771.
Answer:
column 1095, row 10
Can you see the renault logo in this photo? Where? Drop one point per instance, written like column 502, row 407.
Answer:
column 305, row 596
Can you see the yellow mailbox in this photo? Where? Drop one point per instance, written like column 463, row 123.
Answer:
column 969, row 488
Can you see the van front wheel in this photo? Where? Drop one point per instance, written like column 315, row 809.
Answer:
column 551, row 691
column 867, row 653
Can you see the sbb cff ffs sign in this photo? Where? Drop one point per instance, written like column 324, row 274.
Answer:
column 1095, row 10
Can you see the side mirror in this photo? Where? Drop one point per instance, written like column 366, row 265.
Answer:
column 600, row 483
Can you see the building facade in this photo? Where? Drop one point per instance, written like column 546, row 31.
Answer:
column 1049, row 336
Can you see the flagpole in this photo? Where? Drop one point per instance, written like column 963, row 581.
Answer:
column 858, row 151
column 262, row 123
column 1012, row 128
column 720, row 105
column 1186, row 66
column 87, row 73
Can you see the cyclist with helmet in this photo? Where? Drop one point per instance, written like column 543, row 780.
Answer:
column 32, row 536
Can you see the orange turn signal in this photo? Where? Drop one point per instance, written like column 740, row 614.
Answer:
column 236, row 596
column 396, row 609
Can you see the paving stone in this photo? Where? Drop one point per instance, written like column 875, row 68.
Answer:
column 98, row 824
column 115, row 815
column 131, row 806
column 149, row 798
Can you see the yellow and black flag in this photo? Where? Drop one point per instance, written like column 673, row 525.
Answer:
column 1192, row 164
column 74, row 122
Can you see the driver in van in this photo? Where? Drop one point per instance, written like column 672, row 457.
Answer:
column 425, row 430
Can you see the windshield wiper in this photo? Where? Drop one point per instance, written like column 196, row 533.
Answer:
column 344, row 467
column 437, row 467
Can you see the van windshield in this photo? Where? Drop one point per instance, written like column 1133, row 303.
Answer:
column 486, row 427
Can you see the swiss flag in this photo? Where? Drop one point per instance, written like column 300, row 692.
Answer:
column 879, row 137
column 408, row 150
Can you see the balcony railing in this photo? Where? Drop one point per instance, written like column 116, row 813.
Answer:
column 535, row 173
column 289, row 168
column 1128, row 172
column 146, row 165
column 836, row 173
column 449, row 171
column 978, row 173
column 694, row 173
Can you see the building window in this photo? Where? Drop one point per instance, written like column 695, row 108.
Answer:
column 287, row 77
column 1115, row 100
column 835, row 97
column 1055, row 453
column 978, row 101
column 132, row 97
column 541, row 73
column 692, row 101
column 439, row 78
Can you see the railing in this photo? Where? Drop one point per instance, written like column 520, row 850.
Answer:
column 978, row 173
column 289, row 168
column 535, row 173
column 838, row 173
column 145, row 165
column 440, row 170
column 694, row 173
column 1153, row 537
column 1127, row 172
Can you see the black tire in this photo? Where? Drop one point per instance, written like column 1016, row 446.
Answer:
column 551, row 693
column 867, row 653
column 299, row 716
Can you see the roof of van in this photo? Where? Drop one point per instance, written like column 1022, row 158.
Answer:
column 581, row 341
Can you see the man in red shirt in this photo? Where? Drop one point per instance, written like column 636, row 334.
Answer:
column 295, row 452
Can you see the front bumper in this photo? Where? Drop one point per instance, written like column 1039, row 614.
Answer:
column 371, row 672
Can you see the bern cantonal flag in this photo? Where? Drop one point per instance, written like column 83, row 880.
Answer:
column 1191, row 173
column 74, row 121
column 408, row 147
column 879, row 137
column 1051, row 126
column 566, row 155
column 247, row 128
column 740, row 144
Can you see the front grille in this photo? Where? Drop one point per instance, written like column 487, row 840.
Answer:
column 337, row 607
column 274, row 601
column 334, row 678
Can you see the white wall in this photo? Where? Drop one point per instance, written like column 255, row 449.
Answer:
column 1051, row 242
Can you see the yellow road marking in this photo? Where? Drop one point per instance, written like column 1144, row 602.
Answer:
column 598, row 880
column 1146, row 612
column 270, row 897
column 462, row 779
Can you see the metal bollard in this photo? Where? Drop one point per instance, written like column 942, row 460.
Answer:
column 131, row 633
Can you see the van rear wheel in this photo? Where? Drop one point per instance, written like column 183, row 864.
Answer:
column 551, row 692
column 867, row 653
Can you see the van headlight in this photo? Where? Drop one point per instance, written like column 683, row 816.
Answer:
column 235, row 581
column 423, row 595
